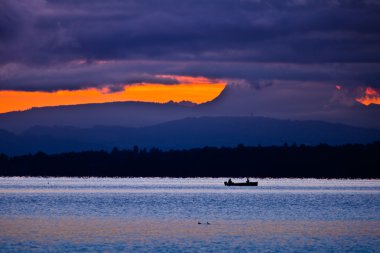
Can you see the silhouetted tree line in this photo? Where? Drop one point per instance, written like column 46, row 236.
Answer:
column 322, row 161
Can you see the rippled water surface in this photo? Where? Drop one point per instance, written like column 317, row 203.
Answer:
column 161, row 214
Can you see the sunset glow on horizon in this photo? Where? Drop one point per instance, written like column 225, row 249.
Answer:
column 371, row 96
column 193, row 89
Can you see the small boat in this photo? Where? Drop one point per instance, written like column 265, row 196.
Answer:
column 241, row 184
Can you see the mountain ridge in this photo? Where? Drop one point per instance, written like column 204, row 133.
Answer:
column 141, row 114
column 186, row 133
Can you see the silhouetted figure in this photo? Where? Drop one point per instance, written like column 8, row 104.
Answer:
column 247, row 180
column 229, row 181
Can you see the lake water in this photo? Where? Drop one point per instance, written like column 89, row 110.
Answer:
column 162, row 215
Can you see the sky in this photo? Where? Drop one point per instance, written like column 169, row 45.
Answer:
column 285, row 57
column 196, row 90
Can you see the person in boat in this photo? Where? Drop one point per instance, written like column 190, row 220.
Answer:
column 229, row 181
column 247, row 180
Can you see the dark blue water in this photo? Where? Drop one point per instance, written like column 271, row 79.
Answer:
column 158, row 214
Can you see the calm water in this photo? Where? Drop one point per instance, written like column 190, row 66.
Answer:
column 161, row 215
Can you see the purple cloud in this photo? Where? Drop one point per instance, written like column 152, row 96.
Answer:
column 291, row 51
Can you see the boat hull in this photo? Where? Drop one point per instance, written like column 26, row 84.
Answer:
column 241, row 184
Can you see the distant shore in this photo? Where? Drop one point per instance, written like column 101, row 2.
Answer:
column 291, row 161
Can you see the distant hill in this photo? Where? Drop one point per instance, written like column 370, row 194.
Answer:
column 131, row 114
column 186, row 133
column 231, row 102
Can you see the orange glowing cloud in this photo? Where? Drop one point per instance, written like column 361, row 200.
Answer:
column 370, row 96
column 194, row 89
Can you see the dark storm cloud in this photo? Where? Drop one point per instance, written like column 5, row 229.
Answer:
column 253, row 40
column 81, row 74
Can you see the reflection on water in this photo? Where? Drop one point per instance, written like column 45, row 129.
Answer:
column 135, row 214
column 138, row 232
column 100, row 229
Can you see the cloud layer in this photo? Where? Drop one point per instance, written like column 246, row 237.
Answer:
column 48, row 45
